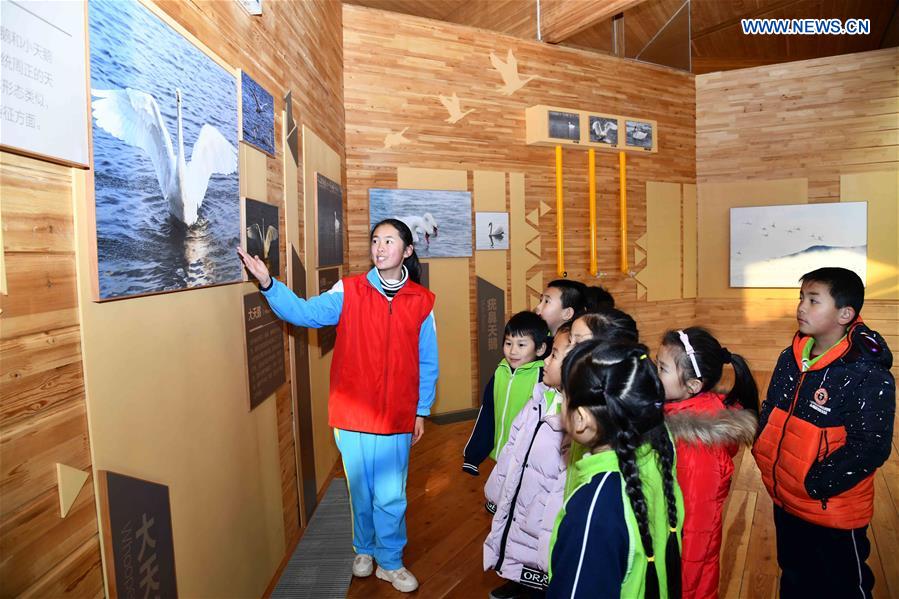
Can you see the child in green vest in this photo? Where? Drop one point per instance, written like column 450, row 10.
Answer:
column 510, row 387
column 618, row 535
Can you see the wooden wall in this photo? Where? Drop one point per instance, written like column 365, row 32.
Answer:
column 395, row 66
column 43, row 415
column 814, row 120
column 43, row 418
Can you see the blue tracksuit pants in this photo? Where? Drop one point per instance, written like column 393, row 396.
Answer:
column 376, row 468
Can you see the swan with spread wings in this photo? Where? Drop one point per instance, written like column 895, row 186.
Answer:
column 133, row 116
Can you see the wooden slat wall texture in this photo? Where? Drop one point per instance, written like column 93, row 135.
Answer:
column 816, row 119
column 43, row 416
column 293, row 45
column 396, row 66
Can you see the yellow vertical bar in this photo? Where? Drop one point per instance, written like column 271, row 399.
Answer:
column 592, row 183
column 560, row 225
column 622, row 176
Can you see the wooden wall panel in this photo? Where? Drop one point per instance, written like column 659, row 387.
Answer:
column 42, row 408
column 292, row 46
column 395, row 67
column 514, row 17
column 814, row 120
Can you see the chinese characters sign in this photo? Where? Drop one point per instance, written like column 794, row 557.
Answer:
column 44, row 99
column 138, row 530
column 491, row 323
column 265, row 348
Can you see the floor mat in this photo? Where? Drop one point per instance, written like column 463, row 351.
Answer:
column 322, row 565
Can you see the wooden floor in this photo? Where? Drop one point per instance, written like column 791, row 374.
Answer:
column 447, row 525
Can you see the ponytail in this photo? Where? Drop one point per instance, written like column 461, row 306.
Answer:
column 620, row 387
column 705, row 358
column 413, row 267
column 745, row 391
column 664, row 448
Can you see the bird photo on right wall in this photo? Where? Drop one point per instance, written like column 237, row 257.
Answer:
column 164, row 116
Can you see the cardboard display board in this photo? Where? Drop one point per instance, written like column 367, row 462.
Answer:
column 137, row 529
column 265, row 348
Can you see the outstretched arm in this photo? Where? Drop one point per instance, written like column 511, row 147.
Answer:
column 319, row 311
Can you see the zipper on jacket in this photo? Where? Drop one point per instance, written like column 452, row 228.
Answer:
column 502, row 422
column 783, row 433
column 509, row 517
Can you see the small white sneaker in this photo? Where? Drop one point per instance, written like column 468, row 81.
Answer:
column 402, row 579
column 362, row 565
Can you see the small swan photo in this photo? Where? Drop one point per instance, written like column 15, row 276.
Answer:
column 491, row 230
column 260, row 226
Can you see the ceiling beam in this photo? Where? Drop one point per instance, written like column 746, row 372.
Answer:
column 560, row 19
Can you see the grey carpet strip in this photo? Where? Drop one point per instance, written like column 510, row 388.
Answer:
column 322, row 565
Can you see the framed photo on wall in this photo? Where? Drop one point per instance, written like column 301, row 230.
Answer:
column 772, row 246
column 260, row 234
column 257, row 108
column 640, row 135
column 166, row 194
column 603, row 130
column 440, row 221
column 329, row 211
column 565, row 125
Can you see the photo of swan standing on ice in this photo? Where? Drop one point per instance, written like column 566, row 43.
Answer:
column 440, row 221
column 164, row 118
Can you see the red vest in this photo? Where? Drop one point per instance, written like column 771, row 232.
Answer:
column 375, row 372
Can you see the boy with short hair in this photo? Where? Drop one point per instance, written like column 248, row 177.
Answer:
column 824, row 429
column 560, row 301
column 508, row 390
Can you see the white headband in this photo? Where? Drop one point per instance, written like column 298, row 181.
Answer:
column 690, row 352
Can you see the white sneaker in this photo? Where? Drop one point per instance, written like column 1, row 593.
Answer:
column 402, row 579
column 362, row 565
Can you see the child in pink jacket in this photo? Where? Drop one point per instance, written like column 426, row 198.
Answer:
column 525, row 489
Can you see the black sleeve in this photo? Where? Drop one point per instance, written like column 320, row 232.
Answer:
column 770, row 400
column 480, row 443
column 589, row 557
column 869, row 432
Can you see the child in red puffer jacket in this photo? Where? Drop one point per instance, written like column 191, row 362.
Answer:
column 708, row 428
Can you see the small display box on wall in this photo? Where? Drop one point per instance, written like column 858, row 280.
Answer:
column 552, row 126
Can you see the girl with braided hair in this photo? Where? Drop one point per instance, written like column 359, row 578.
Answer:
column 708, row 428
column 618, row 534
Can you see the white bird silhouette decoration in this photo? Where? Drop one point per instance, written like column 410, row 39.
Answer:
column 133, row 116
column 395, row 139
column 452, row 106
column 509, row 71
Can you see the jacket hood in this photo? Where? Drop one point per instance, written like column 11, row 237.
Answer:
column 860, row 345
column 724, row 427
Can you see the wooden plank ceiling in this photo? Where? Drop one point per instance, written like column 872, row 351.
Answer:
column 717, row 41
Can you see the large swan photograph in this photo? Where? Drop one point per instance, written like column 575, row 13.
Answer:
column 440, row 221
column 164, row 118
